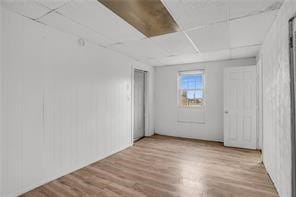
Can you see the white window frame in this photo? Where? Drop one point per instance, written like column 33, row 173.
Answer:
column 190, row 72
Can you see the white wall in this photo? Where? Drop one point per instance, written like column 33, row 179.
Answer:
column 274, row 57
column 168, row 114
column 65, row 106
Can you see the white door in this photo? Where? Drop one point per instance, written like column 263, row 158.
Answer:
column 240, row 129
column 139, row 104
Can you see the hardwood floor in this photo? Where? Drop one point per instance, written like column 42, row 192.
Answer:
column 168, row 166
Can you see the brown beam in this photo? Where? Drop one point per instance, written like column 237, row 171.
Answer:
column 148, row 16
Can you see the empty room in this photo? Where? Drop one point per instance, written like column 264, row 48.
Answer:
column 148, row 98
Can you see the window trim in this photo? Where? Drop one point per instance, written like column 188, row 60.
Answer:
column 193, row 72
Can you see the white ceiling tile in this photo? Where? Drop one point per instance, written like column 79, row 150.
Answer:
column 178, row 59
column 239, row 8
column 96, row 16
column 250, row 30
column 152, row 62
column 140, row 49
column 53, row 4
column 244, row 52
column 174, row 43
column 215, row 56
column 211, row 38
column 66, row 25
column 191, row 58
column 164, row 61
column 30, row 9
column 190, row 14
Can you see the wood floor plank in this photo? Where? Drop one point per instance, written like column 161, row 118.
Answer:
column 161, row 166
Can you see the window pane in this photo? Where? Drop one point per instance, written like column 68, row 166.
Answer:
column 191, row 97
column 191, row 81
column 191, row 88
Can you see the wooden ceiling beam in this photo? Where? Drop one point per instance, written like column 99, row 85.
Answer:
column 148, row 16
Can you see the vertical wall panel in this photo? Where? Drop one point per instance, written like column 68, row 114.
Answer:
column 274, row 57
column 65, row 105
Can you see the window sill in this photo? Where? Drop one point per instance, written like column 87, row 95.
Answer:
column 191, row 107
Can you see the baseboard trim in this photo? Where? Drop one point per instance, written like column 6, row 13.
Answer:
column 192, row 138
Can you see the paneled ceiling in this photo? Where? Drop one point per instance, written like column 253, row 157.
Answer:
column 209, row 30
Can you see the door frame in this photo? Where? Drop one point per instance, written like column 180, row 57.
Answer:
column 293, row 105
column 146, row 104
column 260, row 136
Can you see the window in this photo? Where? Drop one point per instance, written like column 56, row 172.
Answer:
column 191, row 88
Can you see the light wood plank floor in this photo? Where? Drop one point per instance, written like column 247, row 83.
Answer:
column 167, row 166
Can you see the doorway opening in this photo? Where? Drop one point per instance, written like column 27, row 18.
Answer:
column 140, row 92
